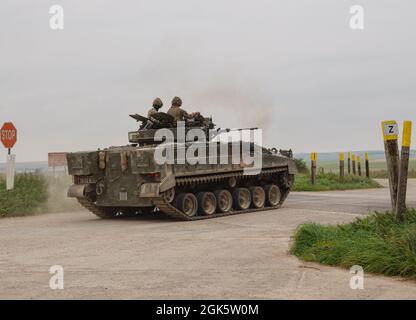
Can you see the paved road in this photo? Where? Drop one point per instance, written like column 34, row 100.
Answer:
column 241, row 256
column 351, row 201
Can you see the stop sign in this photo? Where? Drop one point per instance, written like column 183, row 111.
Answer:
column 8, row 135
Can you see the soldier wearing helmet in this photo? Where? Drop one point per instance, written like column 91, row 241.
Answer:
column 176, row 111
column 157, row 104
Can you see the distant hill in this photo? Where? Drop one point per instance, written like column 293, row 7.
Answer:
column 27, row 166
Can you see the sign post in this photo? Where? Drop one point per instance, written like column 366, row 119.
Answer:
column 390, row 131
column 8, row 136
column 403, row 172
column 10, row 168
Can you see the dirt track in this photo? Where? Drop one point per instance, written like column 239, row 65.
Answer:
column 243, row 256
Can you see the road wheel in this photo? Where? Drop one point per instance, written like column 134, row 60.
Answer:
column 169, row 195
column 258, row 197
column 241, row 198
column 187, row 203
column 207, row 203
column 273, row 195
column 232, row 182
column 224, row 200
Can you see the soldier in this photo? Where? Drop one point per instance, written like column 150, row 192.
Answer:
column 157, row 104
column 175, row 110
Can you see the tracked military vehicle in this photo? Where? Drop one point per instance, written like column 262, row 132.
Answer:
column 128, row 180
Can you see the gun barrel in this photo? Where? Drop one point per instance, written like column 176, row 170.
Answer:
column 244, row 129
column 219, row 131
column 239, row 129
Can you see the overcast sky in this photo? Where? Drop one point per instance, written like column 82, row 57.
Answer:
column 294, row 68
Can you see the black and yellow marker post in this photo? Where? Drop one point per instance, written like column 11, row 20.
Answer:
column 353, row 165
column 359, row 165
column 367, row 166
column 390, row 131
column 341, row 165
column 314, row 157
column 403, row 170
column 349, row 162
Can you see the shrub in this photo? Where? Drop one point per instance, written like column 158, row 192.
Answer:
column 29, row 193
column 301, row 166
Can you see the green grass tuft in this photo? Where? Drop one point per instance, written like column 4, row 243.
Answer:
column 378, row 243
column 30, row 192
column 332, row 181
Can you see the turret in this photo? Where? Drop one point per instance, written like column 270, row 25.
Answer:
column 148, row 128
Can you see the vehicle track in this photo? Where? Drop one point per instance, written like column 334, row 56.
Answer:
column 163, row 206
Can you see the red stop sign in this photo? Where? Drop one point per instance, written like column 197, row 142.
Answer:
column 8, row 135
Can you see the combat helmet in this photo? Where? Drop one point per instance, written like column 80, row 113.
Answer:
column 176, row 101
column 157, row 103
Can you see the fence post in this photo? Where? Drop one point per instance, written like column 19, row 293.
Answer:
column 390, row 131
column 349, row 162
column 341, row 165
column 367, row 166
column 353, row 164
column 359, row 165
column 404, row 168
column 313, row 167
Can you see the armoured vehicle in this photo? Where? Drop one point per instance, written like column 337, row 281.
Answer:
column 130, row 180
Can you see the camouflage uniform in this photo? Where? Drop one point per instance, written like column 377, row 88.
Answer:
column 176, row 111
column 157, row 104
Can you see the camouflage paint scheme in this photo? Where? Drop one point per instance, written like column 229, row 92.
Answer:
column 129, row 177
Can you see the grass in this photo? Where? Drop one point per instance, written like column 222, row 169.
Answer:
column 30, row 192
column 332, row 181
column 378, row 243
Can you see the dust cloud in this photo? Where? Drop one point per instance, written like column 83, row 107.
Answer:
column 57, row 195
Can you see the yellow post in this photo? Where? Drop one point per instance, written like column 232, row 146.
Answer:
column 314, row 157
column 341, row 165
column 353, row 164
column 359, row 165
column 349, row 162
column 367, row 166
column 403, row 171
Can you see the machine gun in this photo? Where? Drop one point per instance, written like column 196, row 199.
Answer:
column 138, row 117
column 156, row 121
